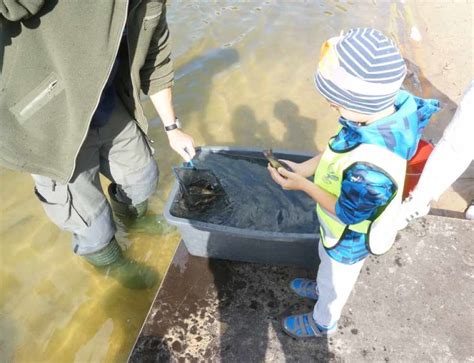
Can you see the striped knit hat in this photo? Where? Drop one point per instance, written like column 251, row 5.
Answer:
column 361, row 71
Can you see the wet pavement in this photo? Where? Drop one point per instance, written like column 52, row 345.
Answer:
column 412, row 304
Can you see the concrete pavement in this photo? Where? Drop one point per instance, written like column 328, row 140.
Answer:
column 412, row 304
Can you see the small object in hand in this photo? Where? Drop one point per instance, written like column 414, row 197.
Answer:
column 190, row 163
column 274, row 162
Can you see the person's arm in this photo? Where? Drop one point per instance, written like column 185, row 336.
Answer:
column 157, row 79
column 293, row 181
column 364, row 190
column 179, row 141
column 306, row 168
column 320, row 196
column 157, row 72
column 452, row 155
column 449, row 159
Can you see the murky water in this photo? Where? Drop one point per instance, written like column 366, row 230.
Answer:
column 243, row 77
column 251, row 199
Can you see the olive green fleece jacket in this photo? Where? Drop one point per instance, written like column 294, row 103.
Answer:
column 56, row 57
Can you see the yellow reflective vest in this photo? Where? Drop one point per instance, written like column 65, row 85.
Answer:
column 381, row 229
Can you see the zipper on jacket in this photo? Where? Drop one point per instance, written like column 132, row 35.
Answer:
column 124, row 22
column 37, row 98
column 44, row 93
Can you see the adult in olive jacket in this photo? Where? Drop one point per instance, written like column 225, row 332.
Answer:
column 71, row 77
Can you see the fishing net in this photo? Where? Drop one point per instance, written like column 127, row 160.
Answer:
column 252, row 199
column 199, row 188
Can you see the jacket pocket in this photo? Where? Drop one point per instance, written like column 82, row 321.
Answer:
column 59, row 205
column 37, row 98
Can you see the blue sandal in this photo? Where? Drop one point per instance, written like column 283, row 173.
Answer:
column 305, row 288
column 304, row 326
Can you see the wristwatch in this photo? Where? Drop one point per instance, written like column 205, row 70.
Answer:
column 176, row 125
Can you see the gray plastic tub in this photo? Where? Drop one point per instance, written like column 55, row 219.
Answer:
column 230, row 243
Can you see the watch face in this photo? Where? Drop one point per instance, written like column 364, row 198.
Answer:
column 178, row 123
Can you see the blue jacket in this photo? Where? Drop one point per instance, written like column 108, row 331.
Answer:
column 365, row 189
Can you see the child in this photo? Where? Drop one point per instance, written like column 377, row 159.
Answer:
column 358, row 180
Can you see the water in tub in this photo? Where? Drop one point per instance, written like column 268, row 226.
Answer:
column 252, row 199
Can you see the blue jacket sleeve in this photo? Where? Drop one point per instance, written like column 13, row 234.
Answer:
column 364, row 190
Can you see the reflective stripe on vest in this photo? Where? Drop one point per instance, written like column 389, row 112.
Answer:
column 329, row 176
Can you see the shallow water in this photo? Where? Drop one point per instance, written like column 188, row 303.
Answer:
column 243, row 77
column 251, row 199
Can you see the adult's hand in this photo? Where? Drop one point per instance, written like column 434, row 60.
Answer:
column 182, row 143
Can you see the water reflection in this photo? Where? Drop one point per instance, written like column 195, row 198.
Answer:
column 247, row 130
column 298, row 127
column 194, row 83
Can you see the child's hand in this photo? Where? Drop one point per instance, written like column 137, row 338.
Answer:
column 288, row 180
column 306, row 168
column 298, row 168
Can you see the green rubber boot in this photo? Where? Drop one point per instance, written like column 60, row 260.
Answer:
column 126, row 212
column 106, row 256
column 155, row 225
column 131, row 274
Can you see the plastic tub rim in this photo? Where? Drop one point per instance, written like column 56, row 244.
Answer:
column 206, row 226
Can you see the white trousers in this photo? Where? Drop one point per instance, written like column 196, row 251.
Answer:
column 335, row 281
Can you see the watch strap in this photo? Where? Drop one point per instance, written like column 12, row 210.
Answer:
column 171, row 127
column 176, row 125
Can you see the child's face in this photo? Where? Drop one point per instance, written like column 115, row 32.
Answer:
column 348, row 114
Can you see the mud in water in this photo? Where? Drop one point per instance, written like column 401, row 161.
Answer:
column 252, row 199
